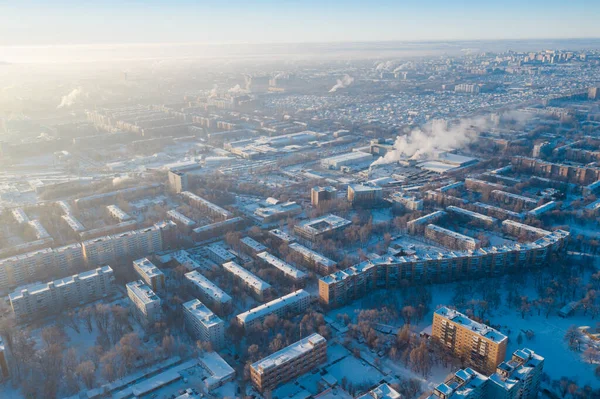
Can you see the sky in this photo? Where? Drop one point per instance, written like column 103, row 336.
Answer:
column 82, row 22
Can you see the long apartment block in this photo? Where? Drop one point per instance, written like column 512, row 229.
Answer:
column 388, row 272
column 295, row 302
column 55, row 296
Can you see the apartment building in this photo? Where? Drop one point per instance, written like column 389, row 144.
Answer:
column 73, row 223
column 178, row 181
column 288, row 363
column 359, row 194
column 253, row 284
column 451, row 239
column 516, row 229
column 218, row 254
column 251, row 246
column 147, row 304
column 110, row 229
column 322, row 227
column 55, row 296
column 406, row 201
column 482, row 347
column 215, row 211
column 117, row 213
column 281, row 237
column 483, row 220
column 417, row 226
column 151, row 274
column 312, row 259
column 208, row 292
column 22, row 269
column 464, row 384
column 287, row 270
column 181, row 220
column 319, row 195
column 295, row 302
column 131, row 244
column 392, row 271
column 513, row 199
column 217, row 229
column 203, row 325
column 517, row 378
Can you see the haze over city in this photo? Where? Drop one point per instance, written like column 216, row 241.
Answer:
column 299, row 199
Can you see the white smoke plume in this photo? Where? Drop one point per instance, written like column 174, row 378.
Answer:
column 342, row 83
column 385, row 66
column 70, row 98
column 213, row 92
column 237, row 89
column 426, row 142
column 119, row 180
column 402, row 67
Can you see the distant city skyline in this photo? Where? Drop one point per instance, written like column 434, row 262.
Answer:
column 69, row 22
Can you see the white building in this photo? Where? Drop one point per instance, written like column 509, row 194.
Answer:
column 55, row 296
column 203, row 325
column 146, row 302
column 151, row 274
column 295, row 302
column 254, row 284
column 209, row 293
column 285, row 268
column 118, row 213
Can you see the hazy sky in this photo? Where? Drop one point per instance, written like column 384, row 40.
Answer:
column 50, row 22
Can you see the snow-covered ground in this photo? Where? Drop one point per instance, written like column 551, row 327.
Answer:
column 548, row 340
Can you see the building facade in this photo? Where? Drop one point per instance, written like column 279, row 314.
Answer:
column 203, row 325
column 55, row 296
column 288, row 363
column 480, row 346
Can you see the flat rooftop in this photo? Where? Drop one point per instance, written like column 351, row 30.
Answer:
column 480, row 328
column 288, row 353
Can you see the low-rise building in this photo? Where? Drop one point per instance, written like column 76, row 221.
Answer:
column 220, row 372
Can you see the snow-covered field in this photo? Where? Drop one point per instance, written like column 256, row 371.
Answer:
column 548, row 340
